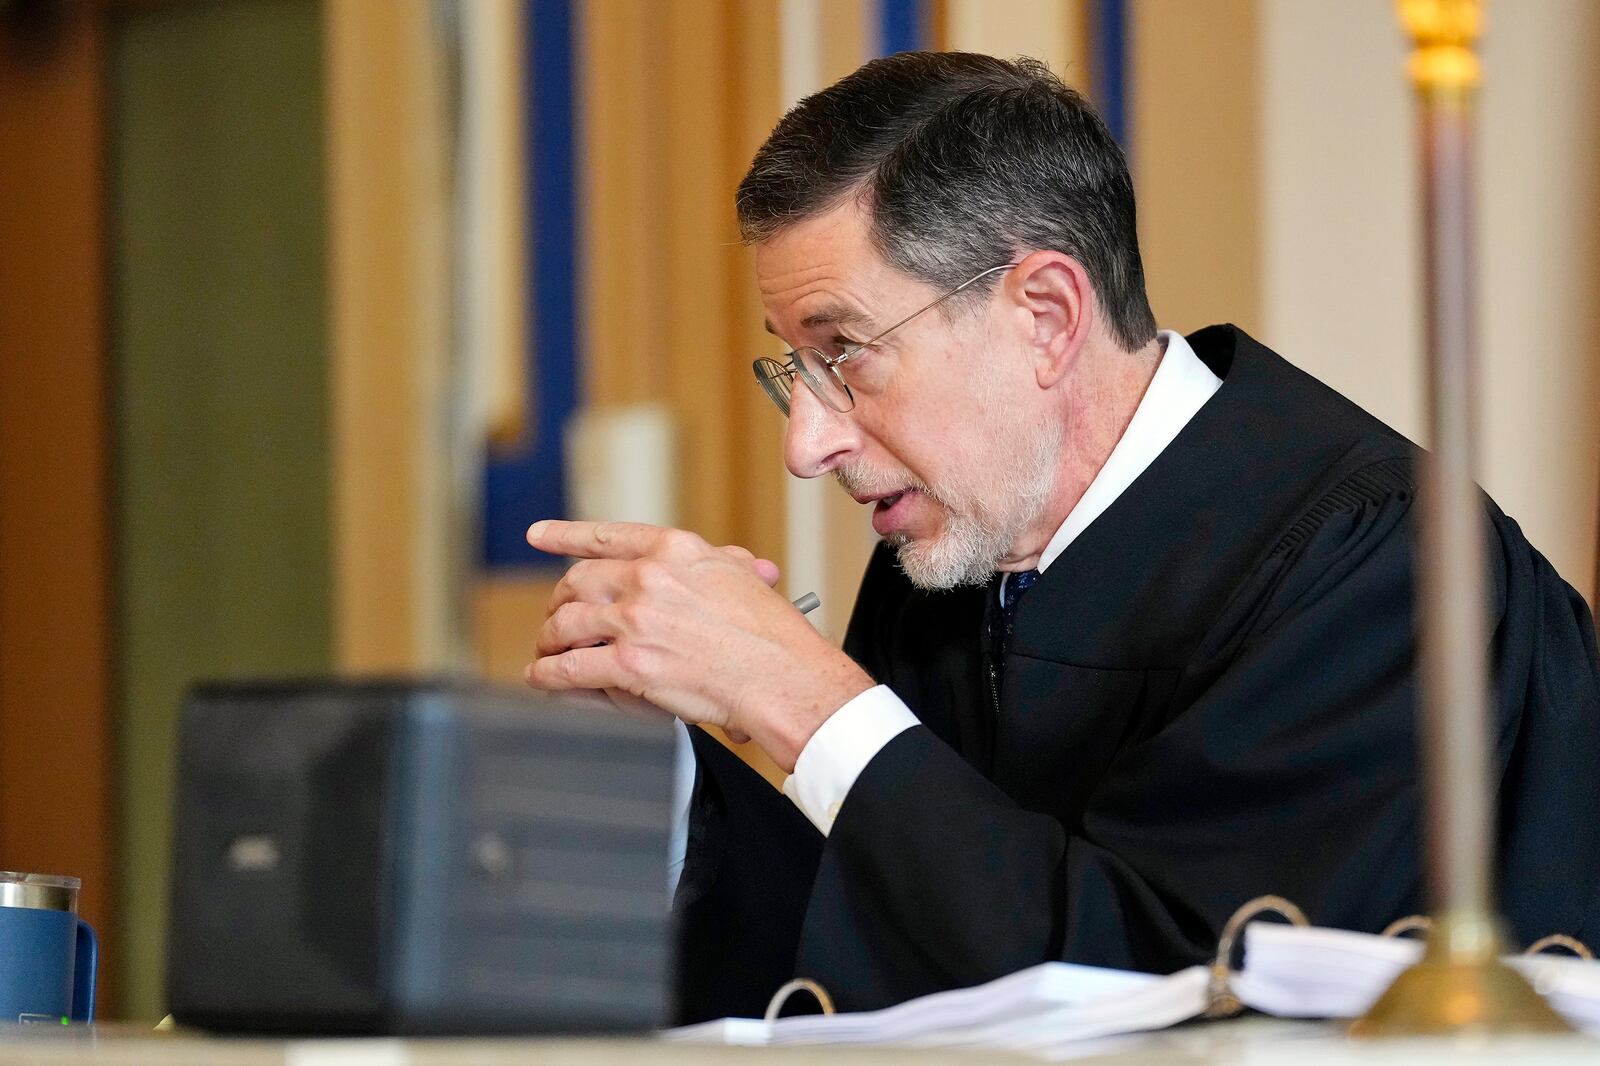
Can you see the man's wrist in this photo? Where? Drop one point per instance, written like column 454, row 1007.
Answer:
column 793, row 731
column 840, row 750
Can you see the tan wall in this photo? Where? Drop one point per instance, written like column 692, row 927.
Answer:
column 389, row 306
column 1341, row 240
column 676, row 98
column 1339, row 226
column 1196, row 158
column 1050, row 30
column 1540, row 255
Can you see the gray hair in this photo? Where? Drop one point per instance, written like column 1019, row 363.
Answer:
column 964, row 162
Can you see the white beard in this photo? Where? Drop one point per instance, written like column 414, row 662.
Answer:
column 981, row 524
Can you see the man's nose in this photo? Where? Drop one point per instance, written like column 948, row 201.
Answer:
column 818, row 439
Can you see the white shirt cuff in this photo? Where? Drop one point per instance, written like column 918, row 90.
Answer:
column 840, row 749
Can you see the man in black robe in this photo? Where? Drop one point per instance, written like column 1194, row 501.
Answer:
column 1140, row 645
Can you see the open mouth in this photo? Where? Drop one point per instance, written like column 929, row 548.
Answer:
column 893, row 511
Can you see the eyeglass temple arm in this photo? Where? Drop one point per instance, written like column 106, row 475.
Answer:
column 876, row 337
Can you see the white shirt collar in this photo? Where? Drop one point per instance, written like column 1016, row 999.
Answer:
column 1181, row 386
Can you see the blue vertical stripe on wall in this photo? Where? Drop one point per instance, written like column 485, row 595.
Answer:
column 1109, row 26
column 529, row 483
column 902, row 26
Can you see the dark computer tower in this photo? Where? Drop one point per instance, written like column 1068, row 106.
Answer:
column 413, row 858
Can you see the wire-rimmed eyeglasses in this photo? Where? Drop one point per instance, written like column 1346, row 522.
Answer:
column 820, row 371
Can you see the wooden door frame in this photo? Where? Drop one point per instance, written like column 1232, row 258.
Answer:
column 57, row 729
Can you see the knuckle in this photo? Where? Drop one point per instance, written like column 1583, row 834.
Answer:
column 560, row 619
column 566, row 589
column 681, row 542
column 633, row 617
column 567, row 668
column 635, row 661
column 653, row 575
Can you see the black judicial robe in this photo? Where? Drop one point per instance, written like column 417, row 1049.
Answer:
column 1210, row 695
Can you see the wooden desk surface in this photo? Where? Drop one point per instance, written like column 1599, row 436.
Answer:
column 1242, row 1041
column 122, row 1046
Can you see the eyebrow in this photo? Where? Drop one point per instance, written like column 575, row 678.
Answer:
column 835, row 314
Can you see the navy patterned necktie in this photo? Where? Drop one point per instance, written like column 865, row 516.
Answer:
column 1015, row 585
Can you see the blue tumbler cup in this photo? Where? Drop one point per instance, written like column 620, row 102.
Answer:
column 48, row 955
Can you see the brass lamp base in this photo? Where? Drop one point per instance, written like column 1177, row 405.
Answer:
column 1460, row 987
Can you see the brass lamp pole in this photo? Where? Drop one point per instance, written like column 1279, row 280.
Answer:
column 1460, row 985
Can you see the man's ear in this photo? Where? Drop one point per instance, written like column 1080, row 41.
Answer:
column 1052, row 290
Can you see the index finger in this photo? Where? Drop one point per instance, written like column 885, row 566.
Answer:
column 594, row 540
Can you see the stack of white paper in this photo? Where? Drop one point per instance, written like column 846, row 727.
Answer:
column 1329, row 973
column 1032, row 1009
column 1057, row 1008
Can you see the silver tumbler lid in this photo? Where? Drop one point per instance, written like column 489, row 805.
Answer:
column 45, row 892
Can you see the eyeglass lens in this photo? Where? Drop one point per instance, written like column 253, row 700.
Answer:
column 776, row 380
column 813, row 368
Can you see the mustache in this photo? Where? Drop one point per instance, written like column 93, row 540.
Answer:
column 859, row 479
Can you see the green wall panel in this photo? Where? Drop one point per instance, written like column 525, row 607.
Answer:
column 218, row 259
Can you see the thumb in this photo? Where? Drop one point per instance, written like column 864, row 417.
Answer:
column 765, row 569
